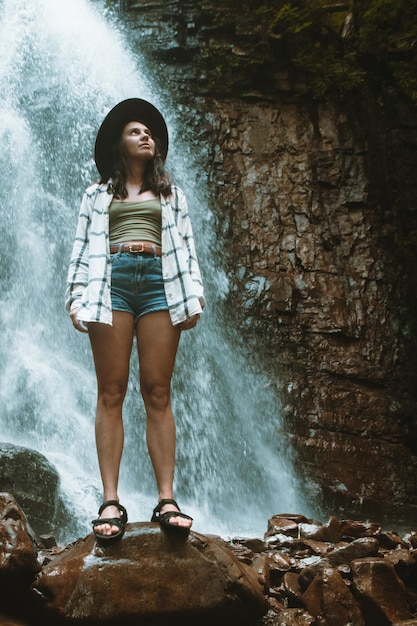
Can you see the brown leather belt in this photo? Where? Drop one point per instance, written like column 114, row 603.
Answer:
column 137, row 247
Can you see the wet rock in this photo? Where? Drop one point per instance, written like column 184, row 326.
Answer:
column 306, row 547
column 260, row 566
column 18, row 561
column 317, row 547
column 401, row 557
column 34, row 482
column 330, row 602
column 278, row 564
column 391, row 540
column 18, row 556
column 411, row 538
column 355, row 529
column 322, row 532
column 359, row 548
column 280, row 524
column 382, row 592
column 293, row 617
column 292, row 590
column 254, row 544
column 150, row 576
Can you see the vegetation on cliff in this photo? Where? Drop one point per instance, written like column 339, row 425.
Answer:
column 340, row 46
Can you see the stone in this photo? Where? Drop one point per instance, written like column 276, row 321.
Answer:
column 356, row 529
column 279, row 524
column 359, row 548
column 402, row 558
column 150, row 576
column 260, row 565
column 18, row 562
column 381, row 591
column 411, row 538
column 278, row 563
column 322, row 532
column 18, row 557
column 316, row 547
column 292, row 589
column 34, row 482
column 293, row 617
column 391, row 540
column 254, row 544
column 330, row 601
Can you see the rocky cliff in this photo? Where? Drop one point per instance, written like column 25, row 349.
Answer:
column 315, row 201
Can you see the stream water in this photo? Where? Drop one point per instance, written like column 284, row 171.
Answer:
column 63, row 65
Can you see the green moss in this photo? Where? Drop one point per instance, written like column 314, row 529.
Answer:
column 253, row 38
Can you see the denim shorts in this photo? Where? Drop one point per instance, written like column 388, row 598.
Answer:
column 137, row 286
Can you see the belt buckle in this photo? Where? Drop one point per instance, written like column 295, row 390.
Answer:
column 141, row 249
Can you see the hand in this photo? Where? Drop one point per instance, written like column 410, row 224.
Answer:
column 190, row 323
column 76, row 322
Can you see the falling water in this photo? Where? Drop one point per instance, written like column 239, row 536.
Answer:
column 63, row 65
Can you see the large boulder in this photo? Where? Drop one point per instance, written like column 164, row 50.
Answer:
column 18, row 557
column 33, row 481
column 381, row 591
column 18, row 560
column 150, row 577
column 330, row 601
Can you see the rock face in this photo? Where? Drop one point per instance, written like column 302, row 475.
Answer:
column 313, row 271
column 314, row 202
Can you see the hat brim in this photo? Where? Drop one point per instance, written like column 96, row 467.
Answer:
column 130, row 110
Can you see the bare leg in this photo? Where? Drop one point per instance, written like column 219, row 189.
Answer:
column 111, row 346
column 157, row 341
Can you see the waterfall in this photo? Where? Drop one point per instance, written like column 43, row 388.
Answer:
column 63, row 65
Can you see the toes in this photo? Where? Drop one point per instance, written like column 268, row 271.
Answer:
column 180, row 521
column 105, row 528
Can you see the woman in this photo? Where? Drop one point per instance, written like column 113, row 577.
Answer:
column 134, row 272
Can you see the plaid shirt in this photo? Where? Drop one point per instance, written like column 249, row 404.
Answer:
column 89, row 274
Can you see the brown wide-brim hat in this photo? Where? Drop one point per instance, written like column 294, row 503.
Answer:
column 131, row 110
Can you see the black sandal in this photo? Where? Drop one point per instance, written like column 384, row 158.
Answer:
column 163, row 518
column 120, row 522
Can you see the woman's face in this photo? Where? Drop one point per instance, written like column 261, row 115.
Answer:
column 137, row 141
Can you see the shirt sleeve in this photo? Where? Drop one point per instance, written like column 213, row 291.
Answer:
column 77, row 279
column 188, row 245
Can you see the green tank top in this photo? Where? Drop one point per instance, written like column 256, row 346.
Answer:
column 135, row 221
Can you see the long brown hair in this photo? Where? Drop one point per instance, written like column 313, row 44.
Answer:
column 156, row 178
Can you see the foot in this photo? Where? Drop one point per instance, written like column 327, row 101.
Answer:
column 184, row 522
column 110, row 525
column 164, row 513
column 107, row 529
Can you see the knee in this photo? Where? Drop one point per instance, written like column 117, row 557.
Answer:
column 156, row 397
column 112, row 396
